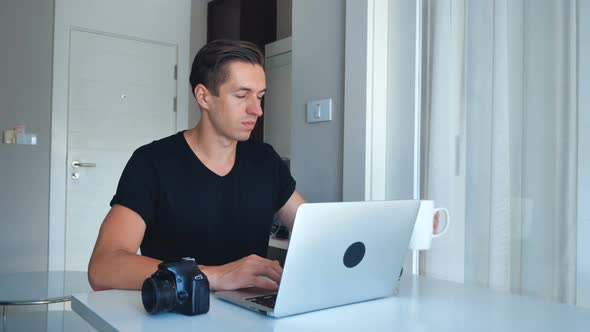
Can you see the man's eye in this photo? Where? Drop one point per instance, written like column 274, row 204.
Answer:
column 241, row 96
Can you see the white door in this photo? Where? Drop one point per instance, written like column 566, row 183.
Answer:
column 121, row 95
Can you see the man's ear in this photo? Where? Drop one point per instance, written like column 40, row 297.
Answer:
column 202, row 95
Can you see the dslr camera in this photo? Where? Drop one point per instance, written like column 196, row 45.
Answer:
column 176, row 286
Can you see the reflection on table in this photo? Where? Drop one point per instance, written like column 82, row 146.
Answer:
column 38, row 288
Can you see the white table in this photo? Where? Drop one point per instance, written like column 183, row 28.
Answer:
column 423, row 305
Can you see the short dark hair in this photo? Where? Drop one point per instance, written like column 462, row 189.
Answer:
column 210, row 66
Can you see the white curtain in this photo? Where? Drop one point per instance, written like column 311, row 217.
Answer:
column 500, row 150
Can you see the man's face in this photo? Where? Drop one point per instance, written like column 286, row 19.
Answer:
column 234, row 112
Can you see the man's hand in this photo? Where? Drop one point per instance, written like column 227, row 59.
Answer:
column 245, row 272
column 288, row 211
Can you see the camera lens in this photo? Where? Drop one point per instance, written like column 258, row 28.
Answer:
column 158, row 293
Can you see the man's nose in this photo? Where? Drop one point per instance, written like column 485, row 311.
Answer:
column 255, row 107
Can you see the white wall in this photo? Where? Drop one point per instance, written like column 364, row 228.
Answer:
column 400, row 104
column 395, row 105
column 25, row 98
column 583, row 263
column 318, row 72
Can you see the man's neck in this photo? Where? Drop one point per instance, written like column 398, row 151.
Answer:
column 217, row 152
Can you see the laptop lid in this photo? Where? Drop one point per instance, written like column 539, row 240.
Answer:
column 344, row 252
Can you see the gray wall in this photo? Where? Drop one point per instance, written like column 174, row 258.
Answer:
column 198, row 40
column 583, row 266
column 318, row 72
column 26, row 61
column 284, row 18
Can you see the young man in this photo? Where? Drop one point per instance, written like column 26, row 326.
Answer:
column 207, row 192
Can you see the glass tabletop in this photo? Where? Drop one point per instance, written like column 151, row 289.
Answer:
column 24, row 288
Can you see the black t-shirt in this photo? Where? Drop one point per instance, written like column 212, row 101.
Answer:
column 189, row 211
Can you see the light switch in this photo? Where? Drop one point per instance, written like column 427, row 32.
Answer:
column 319, row 110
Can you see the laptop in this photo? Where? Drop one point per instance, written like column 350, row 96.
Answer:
column 339, row 253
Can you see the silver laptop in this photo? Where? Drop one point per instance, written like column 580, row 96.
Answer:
column 339, row 253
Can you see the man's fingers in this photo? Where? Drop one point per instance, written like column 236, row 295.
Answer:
column 271, row 273
column 262, row 265
column 263, row 283
column 277, row 267
column 266, row 268
column 273, row 268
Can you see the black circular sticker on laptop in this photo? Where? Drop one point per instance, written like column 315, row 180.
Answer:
column 354, row 254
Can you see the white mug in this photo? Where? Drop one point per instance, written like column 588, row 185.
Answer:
column 424, row 227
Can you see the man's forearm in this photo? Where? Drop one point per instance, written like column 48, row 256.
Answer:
column 120, row 270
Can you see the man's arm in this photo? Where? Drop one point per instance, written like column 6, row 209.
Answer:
column 115, row 263
column 288, row 211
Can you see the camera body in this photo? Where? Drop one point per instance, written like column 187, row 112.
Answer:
column 176, row 286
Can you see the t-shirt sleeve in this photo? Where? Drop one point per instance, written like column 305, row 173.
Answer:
column 137, row 188
column 285, row 183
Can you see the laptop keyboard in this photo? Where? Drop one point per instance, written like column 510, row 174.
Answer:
column 265, row 300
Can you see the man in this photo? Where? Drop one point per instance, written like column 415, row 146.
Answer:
column 207, row 192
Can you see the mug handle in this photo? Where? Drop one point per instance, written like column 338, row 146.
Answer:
column 447, row 224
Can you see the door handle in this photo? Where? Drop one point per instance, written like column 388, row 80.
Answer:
column 77, row 164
